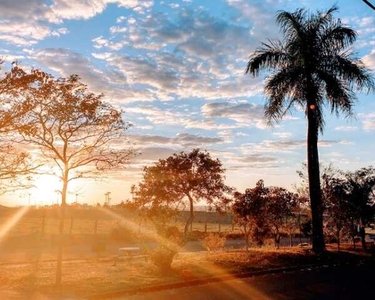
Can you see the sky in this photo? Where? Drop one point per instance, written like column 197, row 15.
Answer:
column 177, row 69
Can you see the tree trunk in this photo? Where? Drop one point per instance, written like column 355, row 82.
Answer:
column 362, row 233
column 191, row 217
column 338, row 239
column 318, row 244
column 247, row 233
column 353, row 233
column 61, row 230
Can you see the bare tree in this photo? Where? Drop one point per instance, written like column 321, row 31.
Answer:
column 78, row 135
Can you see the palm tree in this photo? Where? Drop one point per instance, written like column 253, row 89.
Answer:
column 311, row 66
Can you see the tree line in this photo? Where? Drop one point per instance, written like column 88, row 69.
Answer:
column 181, row 180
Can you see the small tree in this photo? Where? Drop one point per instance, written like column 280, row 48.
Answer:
column 361, row 185
column 335, row 196
column 280, row 204
column 75, row 131
column 190, row 177
column 249, row 211
column 263, row 211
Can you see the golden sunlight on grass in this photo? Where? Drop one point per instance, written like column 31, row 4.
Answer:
column 12, row 221
column 202, row 268
column 147, row 232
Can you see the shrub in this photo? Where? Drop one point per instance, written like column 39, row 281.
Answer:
column 121, row 233
column 162, row 258
column 214, row 242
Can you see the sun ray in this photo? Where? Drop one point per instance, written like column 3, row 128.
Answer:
column 9, row 224
column 227, row 286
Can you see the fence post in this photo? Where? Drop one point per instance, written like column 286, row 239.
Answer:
column 219, row 227
column 71, row 225
column 96, row 227
column 43, row 218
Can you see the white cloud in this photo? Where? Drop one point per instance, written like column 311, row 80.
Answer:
column 346, row 128
column 26, row 22
column 244, row 114
column 368, row 121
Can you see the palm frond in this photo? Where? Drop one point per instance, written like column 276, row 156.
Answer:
column 291, row 24
column 351, row 70
column 339, row 95
column 269, row 56
column 337, row 37
column 281, row 89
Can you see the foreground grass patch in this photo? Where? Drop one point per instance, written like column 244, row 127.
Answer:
column 82, row 278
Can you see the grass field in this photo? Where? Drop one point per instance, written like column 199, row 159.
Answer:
column 83, row 278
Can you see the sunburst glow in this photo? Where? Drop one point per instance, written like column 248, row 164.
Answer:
column 45, row 190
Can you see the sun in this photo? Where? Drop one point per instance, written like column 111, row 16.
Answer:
column 46, row 190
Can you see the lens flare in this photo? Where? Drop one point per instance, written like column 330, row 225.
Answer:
column 4, row 229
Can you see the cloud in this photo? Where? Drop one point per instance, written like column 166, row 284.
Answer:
column 155, row 153
column 190, row 54
column 368, row 121
column 283, row 146
column 176, row 118
column 282, row 135
column 346, row 128
column 369, row 60
column 26, row 22
column 245, row 114
column 113, row 84
column 181, row 139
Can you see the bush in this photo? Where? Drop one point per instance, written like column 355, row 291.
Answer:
column 214, row 242
column 122, row 234
column 162, row 258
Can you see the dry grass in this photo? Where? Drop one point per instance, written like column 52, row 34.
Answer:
column 82, row 278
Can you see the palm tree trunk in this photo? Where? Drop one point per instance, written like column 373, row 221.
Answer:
column 318, row 244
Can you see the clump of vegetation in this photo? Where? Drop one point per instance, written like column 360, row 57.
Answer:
column 121, row 233
column 162, row 258
column 169, row 245
column 214, row 242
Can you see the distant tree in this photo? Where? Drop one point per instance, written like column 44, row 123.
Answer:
column 248, row 209
column 76, row 132
column 180, row 178
column 311, row 66
column 361, row 186
column 337, row 207
column 263, row 211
